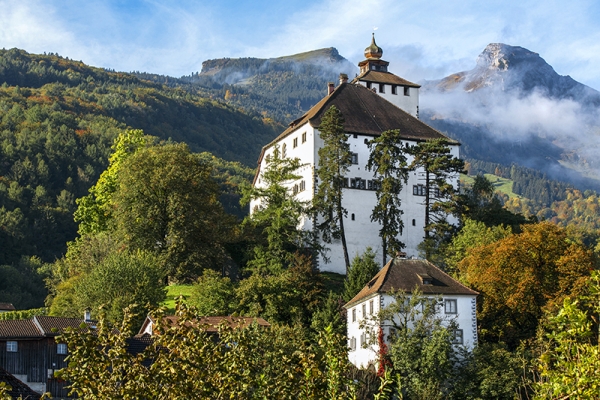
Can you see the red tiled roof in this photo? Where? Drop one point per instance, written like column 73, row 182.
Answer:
column 406, row 275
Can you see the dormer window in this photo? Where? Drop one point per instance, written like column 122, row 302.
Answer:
column 426, row 279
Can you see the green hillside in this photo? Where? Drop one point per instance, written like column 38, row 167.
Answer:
column 58, row 119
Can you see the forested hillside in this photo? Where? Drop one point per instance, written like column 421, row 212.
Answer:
column 280, row 88
column 58, row 119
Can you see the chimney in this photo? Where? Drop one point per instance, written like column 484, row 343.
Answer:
column 330, row 88
column 87, row 315
column 343, row 78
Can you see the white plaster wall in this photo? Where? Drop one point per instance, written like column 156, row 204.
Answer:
column 409, row 103
column 362, row 356
column 360, row 231
column 465, row 318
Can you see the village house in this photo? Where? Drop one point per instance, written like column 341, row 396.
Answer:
column 372, row 103
column 457, row 303
column 29, row 351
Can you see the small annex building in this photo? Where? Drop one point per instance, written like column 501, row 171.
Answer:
column 30, row 352
column 458, row 303
column 375, row 101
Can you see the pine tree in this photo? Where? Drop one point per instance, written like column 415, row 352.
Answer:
column 439, row 165
column 335, row 159
column 389, row 163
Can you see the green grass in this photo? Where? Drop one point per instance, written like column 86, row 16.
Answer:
column 173, row 292
column 502, row 185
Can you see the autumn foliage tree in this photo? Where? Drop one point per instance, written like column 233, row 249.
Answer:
column 522, row 275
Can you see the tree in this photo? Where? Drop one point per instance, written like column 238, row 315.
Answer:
column 522, row 275
column 421, row 349
column 122, row 278
column 478, row 202
column 290, row 297
column 571, row 359
column 252, row 362
column 389, row 163
column 472, row 235
column 277, row 217
column 335, row 159
column 94, row 211
column 213, row 294
column 440, row 166
column 166, row 202
column 363, row 269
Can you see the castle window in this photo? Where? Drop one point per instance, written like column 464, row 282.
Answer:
column 304, row 137
column 364, row 310
column 12, row 346
column 458, row 336
column 302, row 185
column 368, row 85
column 450, row 306
column 414, row 222
column 345, row 182
column 381, row 88
column 406, row 91
column 355, row 136
column 419, row 190
column 296, row 188
column 295, row 142
column 354, row 158
column 352, row 216
column 354, row 315
column 371, row 307
column 284, row 150
column 352, row 344
column 394, row 89
column 370, row 185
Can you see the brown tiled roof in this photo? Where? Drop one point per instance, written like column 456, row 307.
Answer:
column 211, row 324
column 24, row 328
column 406, row 275
column 18, row 390
column 383, row 77
column 37, row 327
column 7, row 307
column 53, row 326
column 366, row 113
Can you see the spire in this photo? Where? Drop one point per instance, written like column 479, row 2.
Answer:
column 373, row 51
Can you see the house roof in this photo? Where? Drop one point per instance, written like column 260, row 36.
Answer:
column 406, row 275
column 384, row 77
column 18, row 390
column 37, row 327
column 7, row 307
column 209, row 324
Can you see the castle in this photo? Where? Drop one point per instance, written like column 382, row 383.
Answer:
column 373, row 102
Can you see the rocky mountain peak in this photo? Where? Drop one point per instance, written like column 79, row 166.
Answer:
column 501, row 57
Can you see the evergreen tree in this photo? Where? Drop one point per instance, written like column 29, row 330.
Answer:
column 389, row 163
column 335, row 159
column 439, row 165
column 277, row 216
column 362, row 270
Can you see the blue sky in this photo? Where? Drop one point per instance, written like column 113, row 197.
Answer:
column 422, row 39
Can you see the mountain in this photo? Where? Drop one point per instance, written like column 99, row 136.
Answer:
column 512, row 107
column 281, row 88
